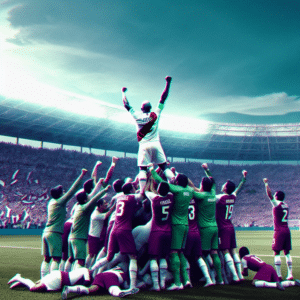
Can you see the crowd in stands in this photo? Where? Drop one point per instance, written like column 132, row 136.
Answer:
column 27, row 174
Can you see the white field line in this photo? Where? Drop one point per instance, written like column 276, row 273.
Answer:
column 273, row 255
column 14, row 247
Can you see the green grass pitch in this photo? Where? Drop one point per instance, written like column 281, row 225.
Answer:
column 21, row 254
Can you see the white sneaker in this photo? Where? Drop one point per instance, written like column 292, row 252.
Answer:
column 64, row 293
column 175, row 287
column 15, row 278
column 129, row 292
column 188, row 285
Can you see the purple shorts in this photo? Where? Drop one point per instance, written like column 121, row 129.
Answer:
column 106, row 280
column 159, row 243
column 65, row 279
column 282, row 240
column 67, row 229
column 95, row 245
column 193, row 244
column 110, row 226
column 266, row 273
column 120, row 240
column 227, row 238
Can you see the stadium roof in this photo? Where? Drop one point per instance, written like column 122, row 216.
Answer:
column 277, row 142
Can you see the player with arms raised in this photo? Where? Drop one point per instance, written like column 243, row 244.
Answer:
column 282, row 234
column 227, row 239
column 150, row 149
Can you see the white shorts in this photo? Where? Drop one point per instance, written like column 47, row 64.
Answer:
column 141, row 235
column 151, row 152
column 52, row 281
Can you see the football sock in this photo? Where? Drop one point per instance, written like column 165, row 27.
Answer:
column 210, row 266
column 154, row 273
column 261, row 283
column 78, row 289
column 45, row 269
column 288, row 283
column 142, row 180
column 183, row 268
column 277, row 261
column 288, row 259
column 68, row 266
column 54, row 265
column 238, row 265
column 169, row 174
column 175, row 267
column 133, row 268
column 62, row 265
column 27, row 282
column 217, row 265
column 204, row 269
column 163, row 267
column 229, row 262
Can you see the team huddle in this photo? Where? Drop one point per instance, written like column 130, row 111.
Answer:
column 102, row 248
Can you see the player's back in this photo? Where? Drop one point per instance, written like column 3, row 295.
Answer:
column 56, row 214
column 280, row 216
column 224, row 209
column 207, row 211
column 161, row 212
column 254, row 263
column 126, row 207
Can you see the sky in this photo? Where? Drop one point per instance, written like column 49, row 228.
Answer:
column 231, row 61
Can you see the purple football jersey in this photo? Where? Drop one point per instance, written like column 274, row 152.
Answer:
column 254, row 263
column 161, row 213
column 280, row 216
column 224, row 210
column 126, row 207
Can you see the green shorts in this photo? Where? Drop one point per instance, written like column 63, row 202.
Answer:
column 179, row 236
column 77, row 248
column 52, row 244
column 209, row 238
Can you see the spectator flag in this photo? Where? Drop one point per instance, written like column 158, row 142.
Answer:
column 8, row 211
column 2, row 213
column 24, row 197
column 14, row 182
column 24, row 216
column 28, row 177
column 15, row 219
column 27, row 202
column 14, row 176
column 2, row 183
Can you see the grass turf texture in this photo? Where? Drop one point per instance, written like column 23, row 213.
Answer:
column 27, row 261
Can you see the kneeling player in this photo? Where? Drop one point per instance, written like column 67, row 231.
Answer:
column 266, row 275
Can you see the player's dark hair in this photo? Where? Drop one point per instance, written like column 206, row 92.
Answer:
column 230, row 187
column 81, row 196
column 243, row 251
column 117, row 185
column 88, row 186
column 146, row 107
column 280, row 195
column 163, row 188
column 100, row 202
column 56, row 192
column 182, row 180
column 127, row 188
column 207, row 184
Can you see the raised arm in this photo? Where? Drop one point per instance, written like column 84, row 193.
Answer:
column 95, row 171
column 110, row 170
column 268, row 190
column 165, row 93
column 155, row 176
column 243, row 180
column 98, row 196
column 124, row 98
column 74, row 188
column 206, row 170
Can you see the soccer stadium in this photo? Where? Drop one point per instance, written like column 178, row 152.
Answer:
column 149, row 149
column 43, row 146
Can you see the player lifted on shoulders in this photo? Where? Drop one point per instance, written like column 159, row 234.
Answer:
column 150, row 149
column 282, row 234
